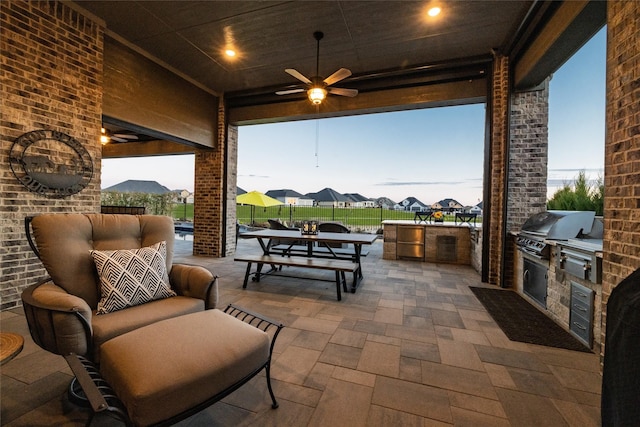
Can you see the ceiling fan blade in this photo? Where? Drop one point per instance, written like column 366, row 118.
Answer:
column 341, row 74
column 125, row 136
column 115, row 138
column 297, row 75
column 343, row 92
column 288, row 92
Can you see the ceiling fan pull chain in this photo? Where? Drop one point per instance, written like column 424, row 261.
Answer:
column 317, row 137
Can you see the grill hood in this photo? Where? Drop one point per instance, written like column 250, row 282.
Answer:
column 559, row 225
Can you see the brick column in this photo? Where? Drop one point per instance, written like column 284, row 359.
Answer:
column 50, row 79
column 209, row 194
column 493, row 235
column 622, row 149
column 232, row 189
column 528, row 155
column 528, row 158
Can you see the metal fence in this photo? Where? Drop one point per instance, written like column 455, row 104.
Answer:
column 366, row 220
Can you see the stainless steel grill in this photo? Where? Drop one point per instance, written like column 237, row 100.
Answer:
column 533, row 239
column 552, row 225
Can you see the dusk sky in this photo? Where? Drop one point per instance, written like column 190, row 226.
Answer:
column 430, row 154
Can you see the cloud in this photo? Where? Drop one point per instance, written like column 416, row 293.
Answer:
column 256, row 176
column 576, row 171
column 407, row 183
column 569, row 182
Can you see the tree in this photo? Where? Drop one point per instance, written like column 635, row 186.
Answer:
column 580, row 196
column 155, row 204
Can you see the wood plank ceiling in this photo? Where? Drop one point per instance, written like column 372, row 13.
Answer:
column 372, row 39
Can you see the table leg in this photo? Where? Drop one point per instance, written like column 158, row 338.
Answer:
column 357, row 275
column 246, row 276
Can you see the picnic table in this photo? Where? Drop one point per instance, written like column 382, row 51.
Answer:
column 329, row 258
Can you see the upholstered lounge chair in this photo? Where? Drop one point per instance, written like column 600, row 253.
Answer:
column 61, row 311
column 145, row 362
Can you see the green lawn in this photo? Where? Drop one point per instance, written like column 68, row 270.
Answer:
column 365, row 217
column 179, row 211
column 349, row 217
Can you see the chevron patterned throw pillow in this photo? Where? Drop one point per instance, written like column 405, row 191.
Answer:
column 132, row 277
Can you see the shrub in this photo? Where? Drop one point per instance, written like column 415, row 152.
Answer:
column 581, row 196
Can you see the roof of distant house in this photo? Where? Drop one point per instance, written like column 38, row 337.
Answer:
column 283, row 193
column 412, row 200
column 384, row 201
column 328, row 195
column 447, row 202
column 356, row 197
column 240, row 191
column 137, row 186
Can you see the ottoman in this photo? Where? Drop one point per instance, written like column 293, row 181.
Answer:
column 181, row 365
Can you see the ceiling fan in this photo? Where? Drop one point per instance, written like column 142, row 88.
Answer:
column 317, row 88
column 108, row 136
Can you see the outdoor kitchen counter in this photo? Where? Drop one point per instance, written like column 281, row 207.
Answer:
column 561, row 285
column 443, row 242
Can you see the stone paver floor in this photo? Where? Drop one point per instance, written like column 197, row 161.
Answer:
column 412, row 347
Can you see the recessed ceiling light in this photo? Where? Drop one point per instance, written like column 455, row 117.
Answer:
column 434, row 11
column 230, row 53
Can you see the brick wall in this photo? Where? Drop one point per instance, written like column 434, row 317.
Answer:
column 622, row 148
column 51, row 79
column 498, row 148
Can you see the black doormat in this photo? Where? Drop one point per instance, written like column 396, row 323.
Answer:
column 520, row 321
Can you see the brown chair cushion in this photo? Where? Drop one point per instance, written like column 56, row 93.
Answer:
column 107, row 326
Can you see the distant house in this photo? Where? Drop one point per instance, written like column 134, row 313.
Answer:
column 183, row 196
column 329, row 197
column 359, row 201
column 290, row 197
column 477, row 209
column 137, row 186
column 448, row 205
column 384, row 203
column 411, row 204
column 240, row 191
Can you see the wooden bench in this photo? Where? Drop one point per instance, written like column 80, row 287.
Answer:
column 339, row 266
column 318, row 251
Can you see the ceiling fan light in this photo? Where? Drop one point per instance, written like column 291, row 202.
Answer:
column 104, row 138
column 317, row 95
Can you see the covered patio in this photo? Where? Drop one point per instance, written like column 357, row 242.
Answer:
column 412, row 347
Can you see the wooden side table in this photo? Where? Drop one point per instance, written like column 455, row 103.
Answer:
column 10, row 346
